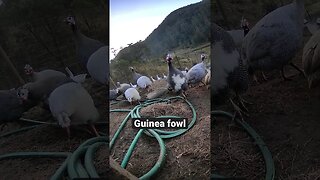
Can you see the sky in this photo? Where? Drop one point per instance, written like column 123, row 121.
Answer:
column 134, row 20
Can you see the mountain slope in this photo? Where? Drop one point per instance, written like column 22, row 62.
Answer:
column 188, row 26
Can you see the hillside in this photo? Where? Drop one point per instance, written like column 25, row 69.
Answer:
column 188, row 26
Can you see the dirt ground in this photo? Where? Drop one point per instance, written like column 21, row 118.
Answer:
column 49, row 138
column 286, row 115
column 187, row 156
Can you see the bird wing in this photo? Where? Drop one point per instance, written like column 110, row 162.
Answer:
column 270, row 40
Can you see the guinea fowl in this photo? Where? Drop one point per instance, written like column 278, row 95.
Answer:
column 133, row 85
column 144, row 82
column 123, row 87
column 164, row 76
column 92, row 53
column 197, row 72
column 185, row 71
column 41, row 89
column 113, row 94
column 136, row 75
column 229, row 73
column 176, row 79
column 153, row 80
column 71, row 104
column 275, row 39
column 13, row 103
column 311, row 60
column 42, row 75
column 132, row 95
column 207, row 78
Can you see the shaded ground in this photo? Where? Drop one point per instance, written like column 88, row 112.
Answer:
column 187, row 156
column 286, row 115
column 49, row 138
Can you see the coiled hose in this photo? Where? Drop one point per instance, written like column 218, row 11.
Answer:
column 78, row 164
column 156, row 133
column 270, row 169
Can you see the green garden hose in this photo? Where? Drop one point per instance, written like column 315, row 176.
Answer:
column 156, row 133
column 73, row 162
column 270, row 169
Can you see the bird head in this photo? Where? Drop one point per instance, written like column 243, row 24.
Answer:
column 202, row 56
column 169, row 58
column 131, row 69
column 28, row 69
column 22, row 93
column 70, row 20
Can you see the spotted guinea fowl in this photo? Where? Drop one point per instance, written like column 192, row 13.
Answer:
column 153, row 80
column 311, row 60
column 123, row 87
column 229, row 71
column 71, row 104
column 133, row 85
column 113, row 94
column 13, row 103
column 207, row 78
column 164, row 76
column 275, row 39
column 42, row 75
column 92, row 53
column 135, row 75
column 144, row 82
column 197, row 72
column 132, row 95
column 41, row 89
column 185, row 71
column 176, row 80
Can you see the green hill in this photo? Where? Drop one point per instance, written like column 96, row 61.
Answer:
column 185, row 27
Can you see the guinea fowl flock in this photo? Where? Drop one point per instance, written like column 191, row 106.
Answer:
column 69, row 102
column 177, row 81
column 271, row 44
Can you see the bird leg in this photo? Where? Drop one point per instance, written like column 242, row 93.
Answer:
column 255, row 79
column 242, row 104
column 3, row 125
column 94, row 130
column 69, row 139
column 202, row 84
column 264, row 76
column 184, row 95
column 238, row 110
column 298, row 69
column 283, row 76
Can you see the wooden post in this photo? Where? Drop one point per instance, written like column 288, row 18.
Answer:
column 6, row 58
column 114, row 165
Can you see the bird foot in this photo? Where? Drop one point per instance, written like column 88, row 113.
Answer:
column 3, row 125
column 184, row 95
column 239, row 111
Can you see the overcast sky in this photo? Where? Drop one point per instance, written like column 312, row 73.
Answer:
column 134, row 20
